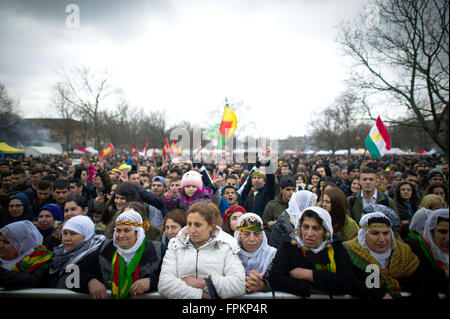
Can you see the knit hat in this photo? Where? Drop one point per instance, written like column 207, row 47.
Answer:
column 193, row 178
column 54, row 209
column 287, row 181
column 434, row 173
column 301, row 168
column 351, row 167
column 230, row 211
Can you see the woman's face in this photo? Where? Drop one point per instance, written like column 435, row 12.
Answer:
column 383, row 180
column 125, row 236
column 315, row 180
column 440, row 235
column 233, row 220
column 326, row 203
column 7, row 250
column 356, row 186
column 311, row 232
column 15, row 208
column 71, row 209
column 45, row 220
column 198, row 229
column 70, row 239
column 190, row 190
column 251, row 240
column 406, row 192
column 171, row 228
column 119, row 201
column 440, row 192
column 379, row 239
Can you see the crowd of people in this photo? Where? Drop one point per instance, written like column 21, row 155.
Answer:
column 191, row 229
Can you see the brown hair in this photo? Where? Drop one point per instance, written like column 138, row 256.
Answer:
column 177, row 215
column 339, row 208
column 218, row 221
column 430, row 188
column 205, row 210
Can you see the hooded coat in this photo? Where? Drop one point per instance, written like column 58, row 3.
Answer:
column 216, row 261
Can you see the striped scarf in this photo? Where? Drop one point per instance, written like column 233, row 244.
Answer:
column 123, row 276
column 331, row 266
column 40, row 257
column 350, row 230
column 402, row 264
column 426, row 248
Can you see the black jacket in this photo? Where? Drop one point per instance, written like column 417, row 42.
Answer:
column 289, row 256
column 257, row 203
column 437, row 280
column 12, row 280
column 281, row 231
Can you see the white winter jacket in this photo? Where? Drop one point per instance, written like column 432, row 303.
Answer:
column 216, row 260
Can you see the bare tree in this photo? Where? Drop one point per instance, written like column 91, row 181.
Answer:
column 87, row 92
column 327, row 128
column 66, row 112
column 10, row 120
column 346, row 110
column 401, row 50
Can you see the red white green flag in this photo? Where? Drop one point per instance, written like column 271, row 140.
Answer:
column 227, row 126
column 378, row 142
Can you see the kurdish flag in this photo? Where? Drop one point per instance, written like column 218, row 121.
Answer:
column 227, row 126
column 378, row 141
column 108, row 149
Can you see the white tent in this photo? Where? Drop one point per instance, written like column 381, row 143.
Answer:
column 396, row 151
column 91, row 150
column 323, row 152
column 37, row 151
column 359, row 151
column 341, row 152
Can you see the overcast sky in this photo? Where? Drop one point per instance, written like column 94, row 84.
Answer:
column 278, row 57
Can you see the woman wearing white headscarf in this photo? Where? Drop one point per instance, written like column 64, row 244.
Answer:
column 23, row 259
column 376, row 250
column 256, row 255
column 432, row 250
column 129, row 264
column 288, row 220
column 314, row 261
column 78, row 241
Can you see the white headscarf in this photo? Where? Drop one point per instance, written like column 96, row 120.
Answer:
column 383, row 258
column 298, row 202
column 418, row 220
column 82, row 225
column 326, row 223
column 132, row 216
column 430, row 224
column 261, row 258
column 24, row 236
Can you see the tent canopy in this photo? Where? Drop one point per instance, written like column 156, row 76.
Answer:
column 6, row 149
column 41, row 150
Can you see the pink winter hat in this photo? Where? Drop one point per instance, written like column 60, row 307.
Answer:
column 193, row 178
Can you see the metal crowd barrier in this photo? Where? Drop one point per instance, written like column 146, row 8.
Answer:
column 52, row 293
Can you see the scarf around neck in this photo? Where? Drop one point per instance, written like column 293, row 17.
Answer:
column 124, row 275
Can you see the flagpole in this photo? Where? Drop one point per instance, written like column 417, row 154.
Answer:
column 364, row 155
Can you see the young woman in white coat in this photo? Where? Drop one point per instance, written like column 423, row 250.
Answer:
column 202, row 261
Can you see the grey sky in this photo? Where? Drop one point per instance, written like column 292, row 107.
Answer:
column 183, row 56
